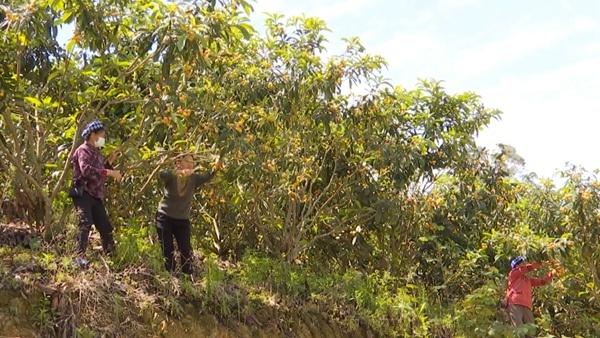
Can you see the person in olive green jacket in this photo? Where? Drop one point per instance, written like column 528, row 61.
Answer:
column 173, row 216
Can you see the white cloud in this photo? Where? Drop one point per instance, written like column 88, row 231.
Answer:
column 454, row 4
column 520, row 43
column 412, row 55
column 550, row 117
column 326, row 10
column 410, row 48
column 331, row 10
column 269, row 6
column 591, row 48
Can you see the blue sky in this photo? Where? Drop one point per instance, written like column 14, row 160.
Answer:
column 538, row 61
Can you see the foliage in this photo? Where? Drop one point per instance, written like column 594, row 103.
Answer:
column 43, row 316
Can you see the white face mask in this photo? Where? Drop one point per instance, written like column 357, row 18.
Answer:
column 100, row 142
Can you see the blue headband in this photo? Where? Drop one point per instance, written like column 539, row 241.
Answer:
column 515, row 262
column 92, row 127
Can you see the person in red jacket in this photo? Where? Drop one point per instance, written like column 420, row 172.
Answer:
column 519, row 292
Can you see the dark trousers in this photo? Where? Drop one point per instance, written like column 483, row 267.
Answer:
column 92, row 211
column 180, row 229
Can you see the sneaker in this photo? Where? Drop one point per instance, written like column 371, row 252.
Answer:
column 81, row 263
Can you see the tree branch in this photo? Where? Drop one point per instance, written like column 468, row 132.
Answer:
column 15, row 162
column 160, row 165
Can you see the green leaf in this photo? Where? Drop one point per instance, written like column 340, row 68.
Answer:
column 247, row 8
column 53, row 75
column 57, row 5
column 67, row 17
column 181, row 42
column 23, row 41
column 34, row 101
column 70, row 45
column 124, row 64
column 246, row 29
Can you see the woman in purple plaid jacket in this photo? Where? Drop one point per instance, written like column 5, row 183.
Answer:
column 90, row 173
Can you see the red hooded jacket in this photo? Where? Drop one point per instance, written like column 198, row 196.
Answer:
column 520, row 285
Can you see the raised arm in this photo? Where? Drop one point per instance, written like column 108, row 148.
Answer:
column 535, row 282
column 204, row 178
column 523, row 269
